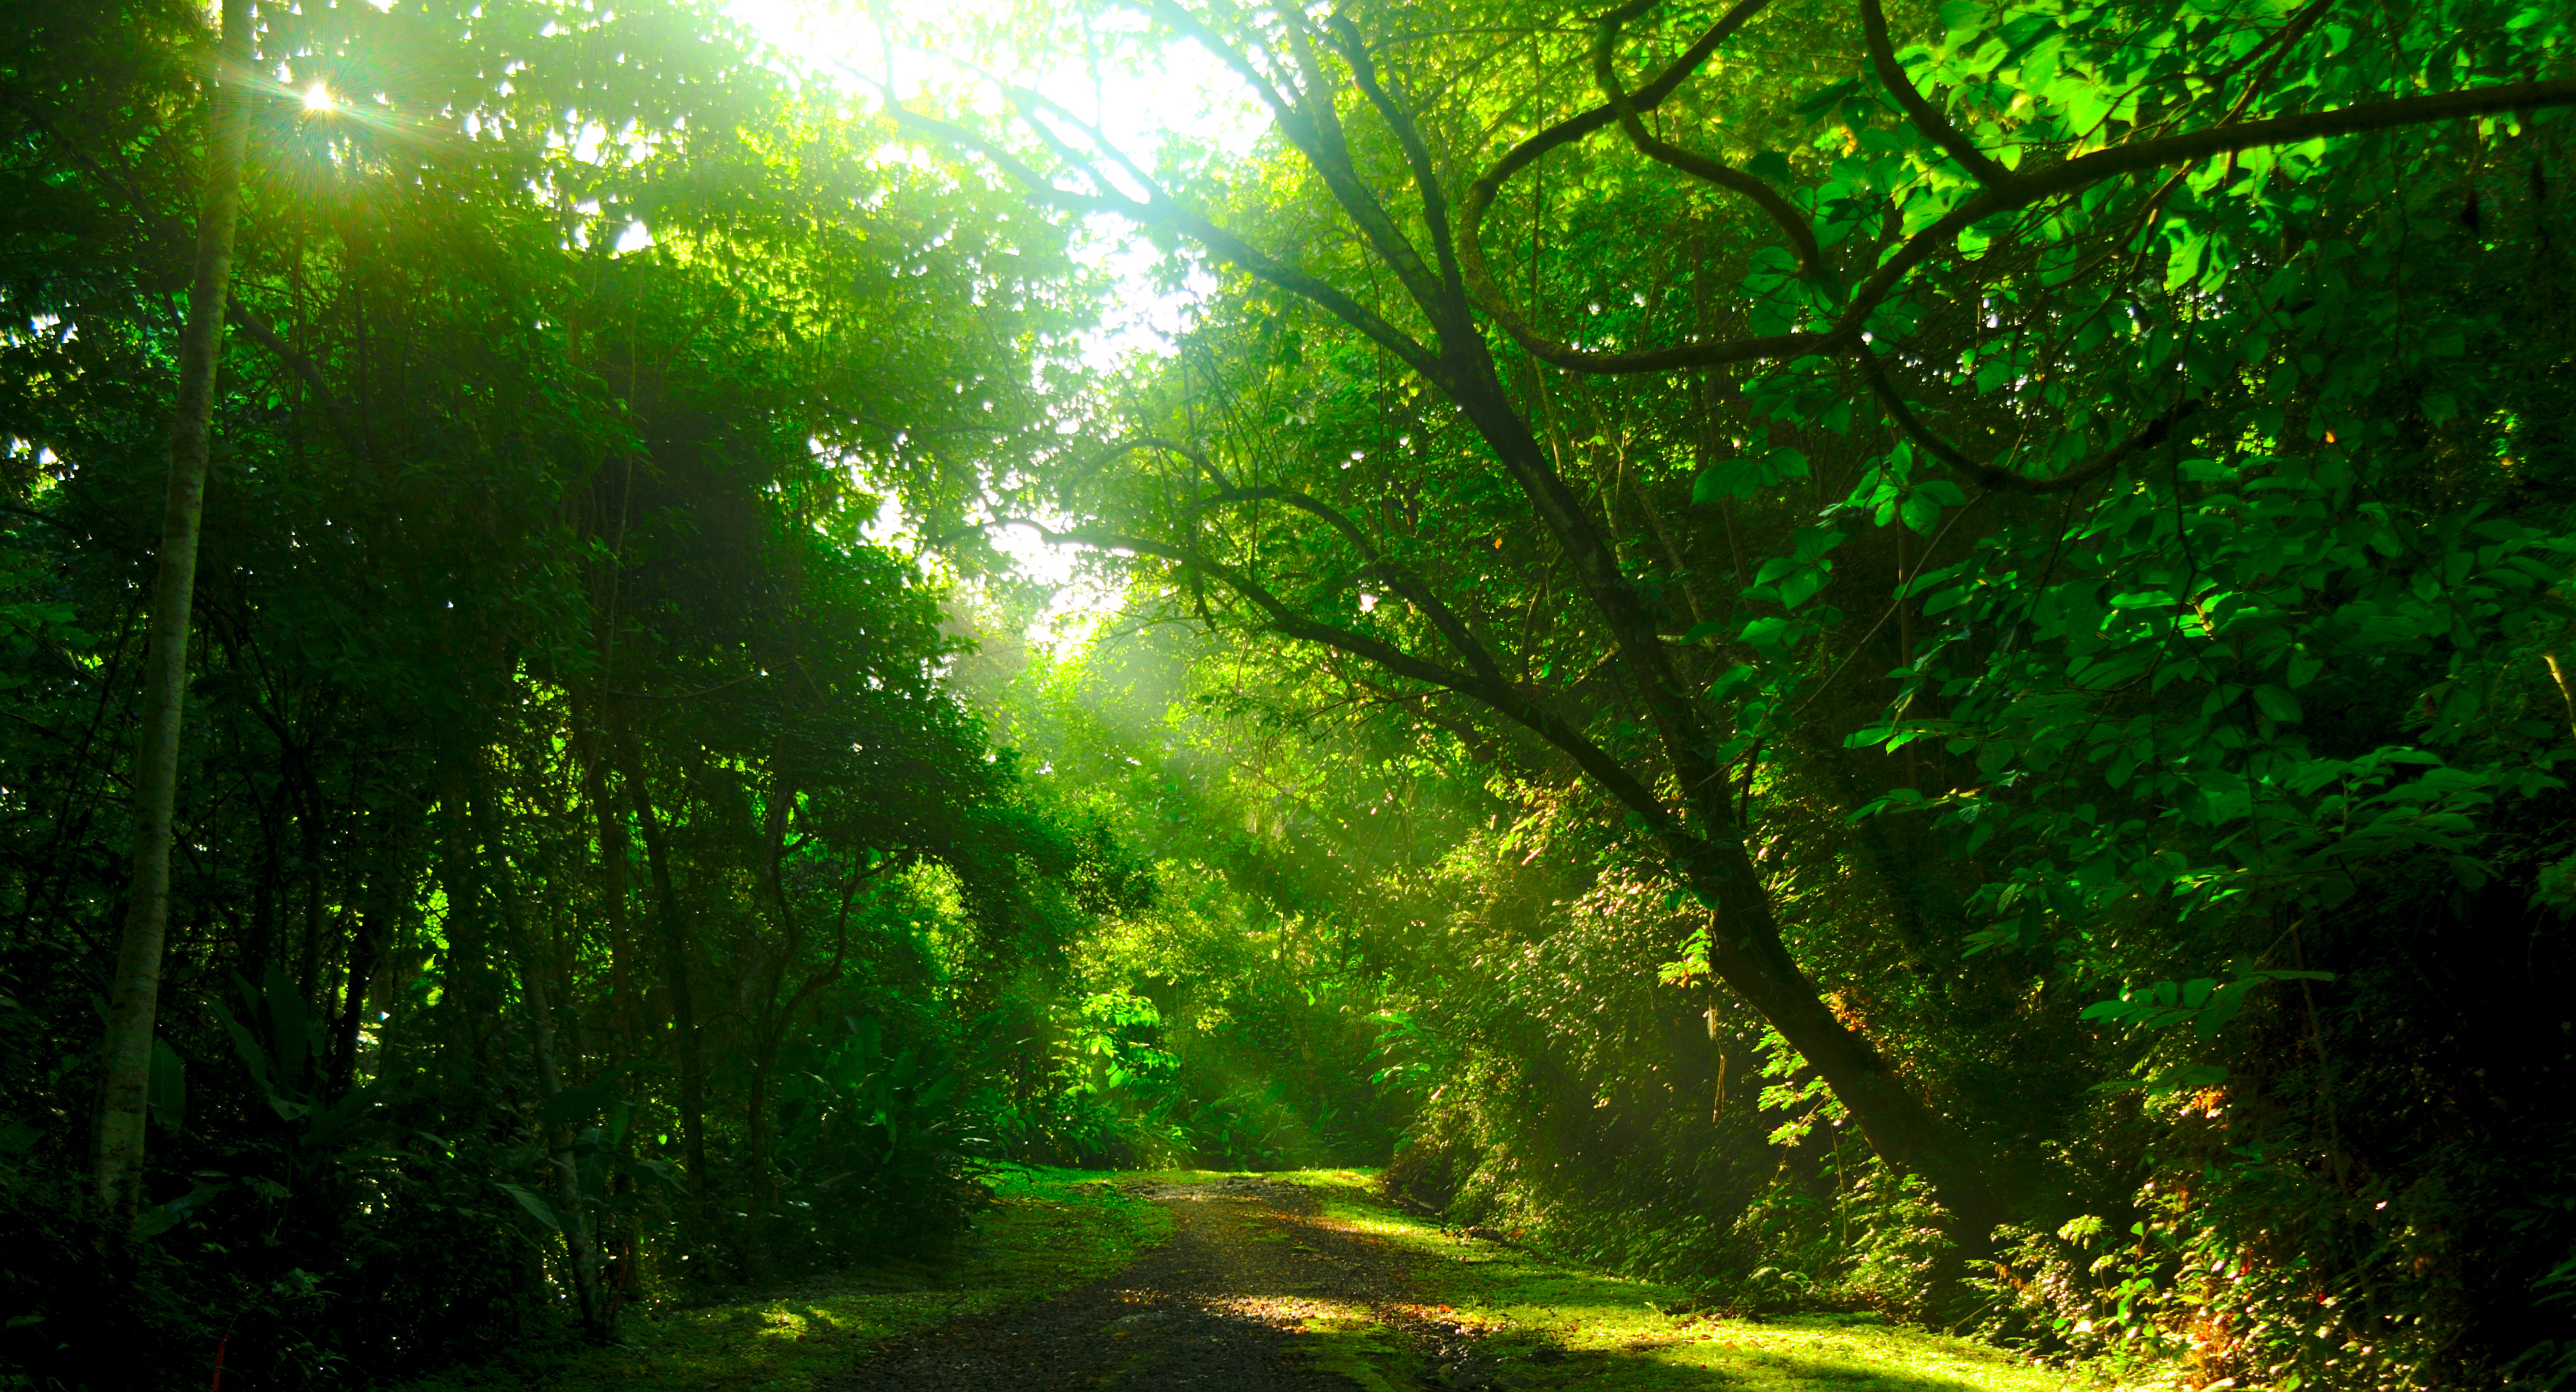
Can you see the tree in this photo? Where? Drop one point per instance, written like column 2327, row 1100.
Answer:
column 127, row 1054
column 1877, row 255
column 510, row 498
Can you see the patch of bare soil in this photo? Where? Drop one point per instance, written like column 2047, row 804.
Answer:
column 1230, row 1302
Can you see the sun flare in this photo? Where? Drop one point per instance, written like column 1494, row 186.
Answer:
column 318, row 98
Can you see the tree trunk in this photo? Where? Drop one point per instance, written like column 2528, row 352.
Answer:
column 621, row 1277
column 675, row 971
column 771, row 1022
column 126, row 1056
column 1746, row 953
column 379, row 915
column 550, row 1078
column 1745, row 948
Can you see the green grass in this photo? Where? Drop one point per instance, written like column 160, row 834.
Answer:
column 1054, row 1229
column 1050, row 1230
column 1612, row 1332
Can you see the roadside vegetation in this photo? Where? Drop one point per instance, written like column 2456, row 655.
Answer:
column 1045, row 1232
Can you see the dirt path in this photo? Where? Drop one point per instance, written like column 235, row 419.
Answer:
column 1255, row 1292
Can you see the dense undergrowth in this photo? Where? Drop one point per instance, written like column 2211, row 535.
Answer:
column 1042, row 1232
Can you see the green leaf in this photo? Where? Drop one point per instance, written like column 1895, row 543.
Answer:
column 588, row 1100
column 1826, row 99
column 1732, row 478
column 1801, row 585
column 537, row 1207
column 252, row 1056
column 2277, row 704
column 1773, row 632
column 161, row 1218
column 1920, row 512
column 1746, row 475
column 2304, row 667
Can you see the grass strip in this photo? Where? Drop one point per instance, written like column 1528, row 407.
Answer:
column 1543, row 1325
column 1048, row 1231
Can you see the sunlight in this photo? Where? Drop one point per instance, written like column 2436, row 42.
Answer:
column 318, row 98
column 1084, row 599
column 1183, row 91
column 1186, row 91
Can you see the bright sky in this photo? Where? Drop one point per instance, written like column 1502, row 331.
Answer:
column 1183, row 89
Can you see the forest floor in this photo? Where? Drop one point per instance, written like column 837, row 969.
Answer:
column 1298, row 1282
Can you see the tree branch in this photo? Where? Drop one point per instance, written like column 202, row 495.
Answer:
column 1417, row 154
column 1160, row 209
column 2153, row 433
column 2022, row 191
column 1934, row 125
column 1452, row 629
column 1510, row 702
column 1480, row 198
column 1802, row 235
column 260, row 331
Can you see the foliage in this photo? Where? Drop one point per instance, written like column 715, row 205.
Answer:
column 1906, row 661
column 1973, row 540
column 585, row 882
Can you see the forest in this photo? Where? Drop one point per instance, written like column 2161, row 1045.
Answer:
column 1856, row 659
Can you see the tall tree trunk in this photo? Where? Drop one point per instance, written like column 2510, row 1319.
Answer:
column 675, row 972
column 625, row 1017
column 550, row 1074
column 379, row 916
column 772, row 1022
column 1746, row 952
column 135, row 995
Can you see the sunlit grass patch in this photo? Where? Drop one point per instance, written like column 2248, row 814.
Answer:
column 1366, row 1352
column 1049, row 1230
column 1554, row 1326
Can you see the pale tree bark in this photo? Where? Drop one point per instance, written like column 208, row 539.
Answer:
column 135, row 994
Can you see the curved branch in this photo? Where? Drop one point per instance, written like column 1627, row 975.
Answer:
column 1133, row 443
column 2279, row 39
column 1160, row 209
column 2084, row 170
column 1605, row 73
column 1480, row 198
column 1510, row 702
column 1312, row 126
column 1417, row 153
column 261, row 332
column 1452, row 628
column 1934, row 125
column 2024, row 190
column 2153, row 433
